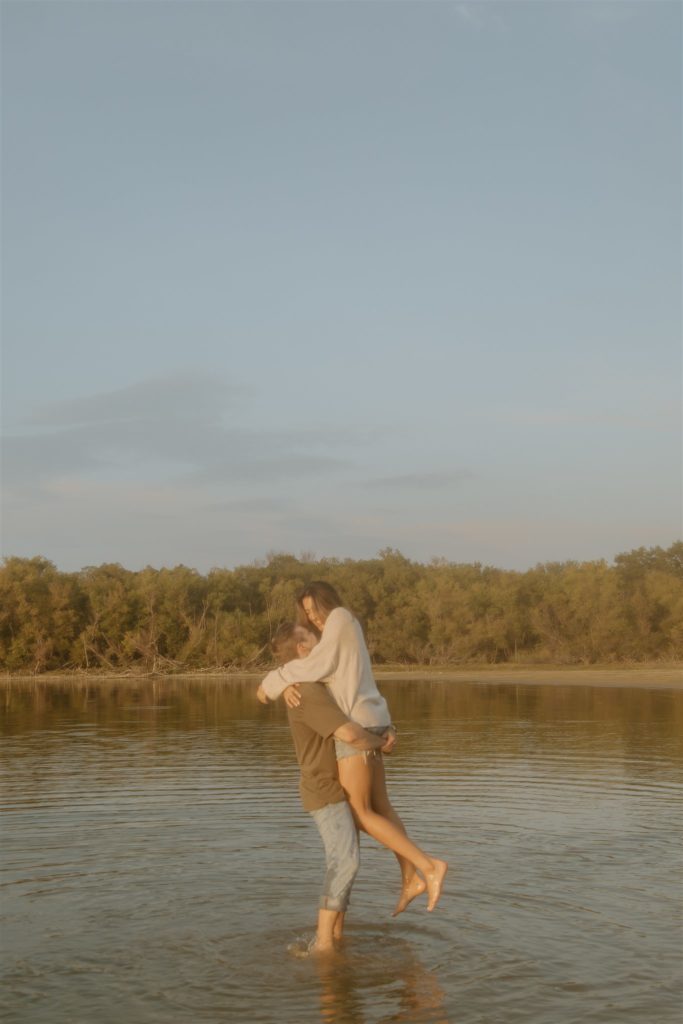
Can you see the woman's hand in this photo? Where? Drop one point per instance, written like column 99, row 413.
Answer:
column 292, row 696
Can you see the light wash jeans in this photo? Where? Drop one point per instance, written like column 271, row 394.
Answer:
column 342, row 855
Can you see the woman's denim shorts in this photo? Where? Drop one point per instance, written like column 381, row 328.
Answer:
column 343, row 749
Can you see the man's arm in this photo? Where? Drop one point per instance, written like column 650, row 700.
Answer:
column 356, row 736
column 320, row 713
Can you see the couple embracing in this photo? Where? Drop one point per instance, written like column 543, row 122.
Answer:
column 341, row 725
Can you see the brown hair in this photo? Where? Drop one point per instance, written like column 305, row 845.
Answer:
column 325, row 599
column 283, row 644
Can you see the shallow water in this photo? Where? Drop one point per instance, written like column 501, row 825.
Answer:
column 158, row 867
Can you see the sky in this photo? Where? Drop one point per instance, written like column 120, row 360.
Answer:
column 331, row 277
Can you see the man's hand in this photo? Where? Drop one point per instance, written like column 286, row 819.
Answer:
column 390, row 735
column 261, row 695
column 292, row 695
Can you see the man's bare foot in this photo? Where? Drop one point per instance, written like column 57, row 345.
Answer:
column 415, row 887
column 318, row 948
column 434, row 879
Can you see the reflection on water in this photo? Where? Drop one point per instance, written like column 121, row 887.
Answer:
column 364, row 965
column 157, row 865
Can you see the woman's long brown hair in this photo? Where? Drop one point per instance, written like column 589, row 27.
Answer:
column 325, row 599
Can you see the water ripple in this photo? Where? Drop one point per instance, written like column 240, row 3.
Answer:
column 158, row 868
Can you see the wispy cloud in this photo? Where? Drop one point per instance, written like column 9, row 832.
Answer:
column 180, row 395
column 256, row 506
column 608, row 12
column 479, row 15
column 665, row 417
column 423, row 481
column 244, row 460
column 180, row 426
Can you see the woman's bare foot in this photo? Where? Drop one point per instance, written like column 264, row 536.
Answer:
column 415, row 887
column 434, row 879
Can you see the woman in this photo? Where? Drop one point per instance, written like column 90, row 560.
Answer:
column 341, row 660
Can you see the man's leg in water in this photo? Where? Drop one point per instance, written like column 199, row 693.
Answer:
column 330, row 921
column 342, row 857
column 324, row 937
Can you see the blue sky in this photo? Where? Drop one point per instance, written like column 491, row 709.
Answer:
column 332, row 277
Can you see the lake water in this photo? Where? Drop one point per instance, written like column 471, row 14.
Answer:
column 158, row 868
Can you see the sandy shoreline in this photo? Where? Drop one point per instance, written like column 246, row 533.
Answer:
column 647, row 678
column 644, row 676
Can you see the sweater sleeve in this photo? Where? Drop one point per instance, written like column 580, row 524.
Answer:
column 273, row 685
column 319, row 664
column 323, row 659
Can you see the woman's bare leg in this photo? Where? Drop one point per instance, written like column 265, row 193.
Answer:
column 412, row 883
column 355, row 775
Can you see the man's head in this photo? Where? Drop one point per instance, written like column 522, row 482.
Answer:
column 292, row 641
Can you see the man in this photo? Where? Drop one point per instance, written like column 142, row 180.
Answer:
column 314, row 724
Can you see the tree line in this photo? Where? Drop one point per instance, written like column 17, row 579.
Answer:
column 109, row 618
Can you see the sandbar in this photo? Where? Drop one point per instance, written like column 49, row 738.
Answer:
column 668, row 676
column 655, row 677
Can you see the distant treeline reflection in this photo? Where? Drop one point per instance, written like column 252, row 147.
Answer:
column 425, row 707
column 109, row 618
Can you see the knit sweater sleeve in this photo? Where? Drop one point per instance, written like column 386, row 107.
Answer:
column 319, row 664
column 273, row 685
